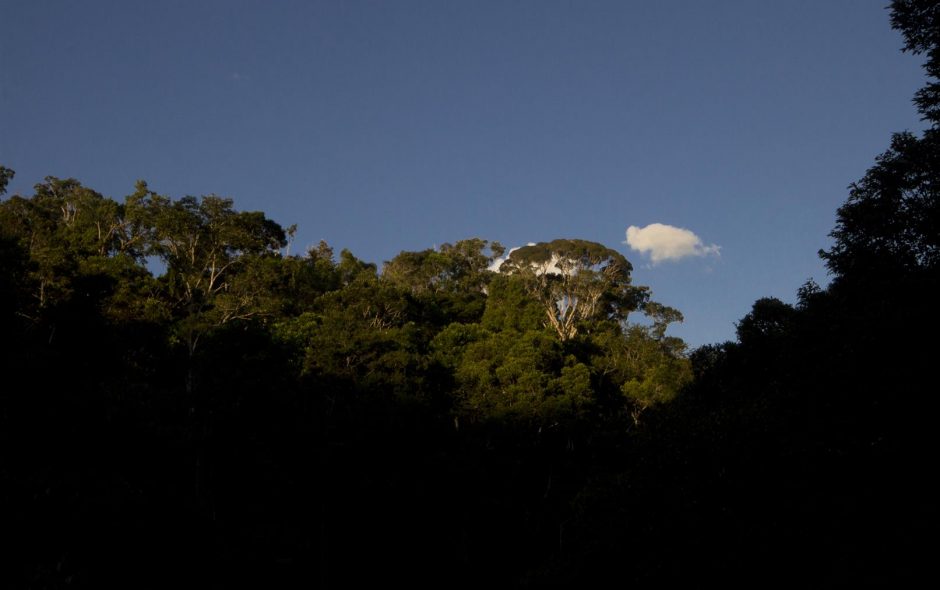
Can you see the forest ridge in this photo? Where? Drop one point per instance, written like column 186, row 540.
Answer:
column 225, row 273
column 465, row 415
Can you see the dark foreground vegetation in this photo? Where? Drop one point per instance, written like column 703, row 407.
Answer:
column 248, row 416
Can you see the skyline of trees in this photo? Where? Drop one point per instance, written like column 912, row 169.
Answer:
column 249, row 416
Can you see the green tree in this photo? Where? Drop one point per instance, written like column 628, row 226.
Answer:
column 204, row 244
column 202, row 240
column 460, row 267
column 14, row 263
column 6, row 175
column 450, row 283
column 576, row 281
column 363, row 338
column 510, row 306
column 70, row 231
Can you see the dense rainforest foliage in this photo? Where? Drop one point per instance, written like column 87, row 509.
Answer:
column 185, row 402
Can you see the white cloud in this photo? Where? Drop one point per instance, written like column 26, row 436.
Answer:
column 666, row 242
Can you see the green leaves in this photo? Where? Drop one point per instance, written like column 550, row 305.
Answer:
column 201, row 239
column 576, row 282
column 541, row 341
column 62, row 225
column 458, row 268
column 6, row 175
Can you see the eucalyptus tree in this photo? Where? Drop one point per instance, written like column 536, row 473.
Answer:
column 6, row 175
column 70, row 234
column 462, row 266
column 202, row 240
column 206, row 247
column 576, row 281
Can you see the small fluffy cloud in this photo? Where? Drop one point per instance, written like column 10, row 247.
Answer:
column 666, row 242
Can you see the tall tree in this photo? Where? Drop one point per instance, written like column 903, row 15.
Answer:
column 202, row 240
column 919, row 22
column 6, row 175
column 576, row 281
column 460, row 267
column 890, row 224
column 69, row 230
column 212, row 254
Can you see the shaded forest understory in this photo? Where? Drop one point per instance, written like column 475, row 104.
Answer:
column 251, row 416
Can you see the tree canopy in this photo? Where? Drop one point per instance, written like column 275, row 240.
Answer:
column 185, row 399
column 576, row 281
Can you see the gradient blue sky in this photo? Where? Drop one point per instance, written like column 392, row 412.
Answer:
column 399, row 125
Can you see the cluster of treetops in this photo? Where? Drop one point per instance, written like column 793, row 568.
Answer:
column 546, row 337
column 249, row 415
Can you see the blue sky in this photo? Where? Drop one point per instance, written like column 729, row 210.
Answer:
column 389, row 126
